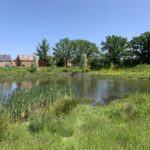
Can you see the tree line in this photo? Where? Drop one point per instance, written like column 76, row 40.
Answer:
column 113, row 51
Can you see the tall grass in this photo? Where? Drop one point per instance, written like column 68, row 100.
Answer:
column 123, row 124
column 22, row 103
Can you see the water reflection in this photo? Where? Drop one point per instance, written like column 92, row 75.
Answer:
column 102, row 90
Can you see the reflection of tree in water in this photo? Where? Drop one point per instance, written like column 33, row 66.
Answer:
column 27, row 84
column 103, row 90
column 81, row 86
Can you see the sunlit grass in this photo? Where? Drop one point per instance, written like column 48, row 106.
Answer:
column 123, row 124
column 138, row 72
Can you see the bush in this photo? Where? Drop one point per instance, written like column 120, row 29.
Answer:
column 36, row 123
column 62, row 107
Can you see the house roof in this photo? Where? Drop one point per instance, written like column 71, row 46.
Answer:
column 26, row 57
column 5, row 58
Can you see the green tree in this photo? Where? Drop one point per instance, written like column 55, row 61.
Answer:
column 63, row 51
column 82, row 47
column 42, row 50
column 100, row 61
column 141, row 48
column 49, row 61
column 34, row 64
column 115, row 47
column 83, row 62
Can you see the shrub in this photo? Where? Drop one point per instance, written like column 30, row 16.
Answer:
column 63, row 106
column 36, row 123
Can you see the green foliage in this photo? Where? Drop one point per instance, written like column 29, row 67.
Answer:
column 100, row 61
column 49, row 61
column 71, row 51
column 83, row 62
column 141, row 48
column 23, row 103
column 123, row 124
column 63, row 106
column 83, row 47
column 36, row 123
column 62, row 52
column 115, row 47
column 42, row 50
column 34, row 65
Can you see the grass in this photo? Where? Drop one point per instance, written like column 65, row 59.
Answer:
column 123, row 124
column 7, row 74
column 138, row 72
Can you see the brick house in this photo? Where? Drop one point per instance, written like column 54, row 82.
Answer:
column 25, row 60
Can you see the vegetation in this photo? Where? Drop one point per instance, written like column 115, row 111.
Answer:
column 138, row 72
column 114, row 51
column 42, row 51
column 66, row 124
column 49, row 117
column 63, row 52
column 71, row 51
column 8, row 74
column 141, row 48
column 115, row 47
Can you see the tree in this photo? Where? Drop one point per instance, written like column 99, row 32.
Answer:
column 141, row 48
column 34, row 64
column 83, row 47
column 63, row 51
column 42, row 50
column 100, row 61
column 115, row 47
column 83, row 62
column 49, row 61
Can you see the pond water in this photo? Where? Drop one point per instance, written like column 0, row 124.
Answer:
column 100, row 89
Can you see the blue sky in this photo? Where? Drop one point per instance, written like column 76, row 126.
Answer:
column 24, row 23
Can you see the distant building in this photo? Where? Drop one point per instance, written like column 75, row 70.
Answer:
column 13, row 63
column 25, row 60
column 5, row 61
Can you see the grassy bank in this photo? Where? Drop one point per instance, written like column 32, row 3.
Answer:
column 138, row 72
column 20, row 73
column 69, row 125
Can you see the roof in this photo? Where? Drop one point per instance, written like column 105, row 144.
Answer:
column 26, row 57
column 5, row 58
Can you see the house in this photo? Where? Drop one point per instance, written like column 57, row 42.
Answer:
column 25, row 60
column 5, row 61
column 13, row 63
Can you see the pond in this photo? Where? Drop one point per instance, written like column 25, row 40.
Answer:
column 102, row 90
